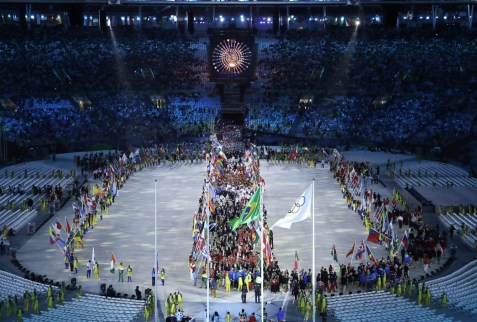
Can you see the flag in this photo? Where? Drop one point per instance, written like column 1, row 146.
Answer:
column 404, row 241
column 68, row 227
column 351, row 251
column 53, row 239
column 205, row 253
column 93, row 258
column 194, row 224
column 58, row 224
column 370, row 255
column 300, row 210
column 360, row 252
column 334, row 253
column 255, row 234
column 251, row 212
column 61, row 242
column 113, row 263
column 55, row 229
column 297, row 260
column 374, row 236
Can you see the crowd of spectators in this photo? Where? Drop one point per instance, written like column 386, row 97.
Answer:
column 367, row 85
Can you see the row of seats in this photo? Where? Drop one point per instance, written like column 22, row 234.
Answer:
column 438, row 174
column 16, row 219
column 380, row 306
column 93, row 308
column 457, row 220
column 437, row 182
column 38, row 176
column 11, row 285
column 459, row 287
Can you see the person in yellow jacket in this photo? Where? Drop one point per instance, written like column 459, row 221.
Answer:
column 75, row 265
column 307, row 310
column 444, row 300
column 428, row 296
column 227, row 283
column 79, row 292
column 146, row 313
column 228, row 317
column 96, row 270
column 49, row 301
column 240, row 283
column 323, row 305
column 179, row 300
column 26, row 301
column 8, row 306
column 129, row 272
column 167, row 304
column 302, row 304
column 163, row 276
column 19, row 315
column 36, row 306
column 121, row 272
column 15, row 304
column 378, row 284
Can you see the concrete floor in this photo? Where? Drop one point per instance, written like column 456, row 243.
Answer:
column 128, row 231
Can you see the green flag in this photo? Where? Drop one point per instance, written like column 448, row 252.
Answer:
column 250, row 212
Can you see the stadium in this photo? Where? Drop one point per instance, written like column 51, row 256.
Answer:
column 238, row 160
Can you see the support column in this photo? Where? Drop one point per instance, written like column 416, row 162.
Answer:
column 434, row 16
column 28, row 14
column 177, row 17
column 470, row 15
column 324, row 17
column 308, row 13
column 139, row 14
column 213, row 17
column 288, row 18
column 251, row 17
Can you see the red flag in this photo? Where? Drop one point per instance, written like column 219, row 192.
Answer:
column 370, row 255
column 351, row 252
column 404, row 241
column 296, row 261
column 360, row 252
column 68, row 227
column 374, row 236
column 58, row 224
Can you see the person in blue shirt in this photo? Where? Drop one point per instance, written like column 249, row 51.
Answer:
column 280, row 315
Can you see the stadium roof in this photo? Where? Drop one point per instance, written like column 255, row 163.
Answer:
column 249, row 2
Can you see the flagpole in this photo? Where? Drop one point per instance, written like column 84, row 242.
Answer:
column 313, row 278
column 207, row 245
column 262, row 275
column 156, row 317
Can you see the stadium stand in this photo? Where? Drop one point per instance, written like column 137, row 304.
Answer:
column 93, row 308
column 380, row 306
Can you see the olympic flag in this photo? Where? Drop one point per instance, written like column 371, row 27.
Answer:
column 300, row 210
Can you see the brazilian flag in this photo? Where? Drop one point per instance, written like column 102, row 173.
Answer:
column 250, row 212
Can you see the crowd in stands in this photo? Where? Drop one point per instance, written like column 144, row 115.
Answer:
column 369, row 77
column 356, row 77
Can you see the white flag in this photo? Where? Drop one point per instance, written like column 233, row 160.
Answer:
column 300, row 210
column 93, row 258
